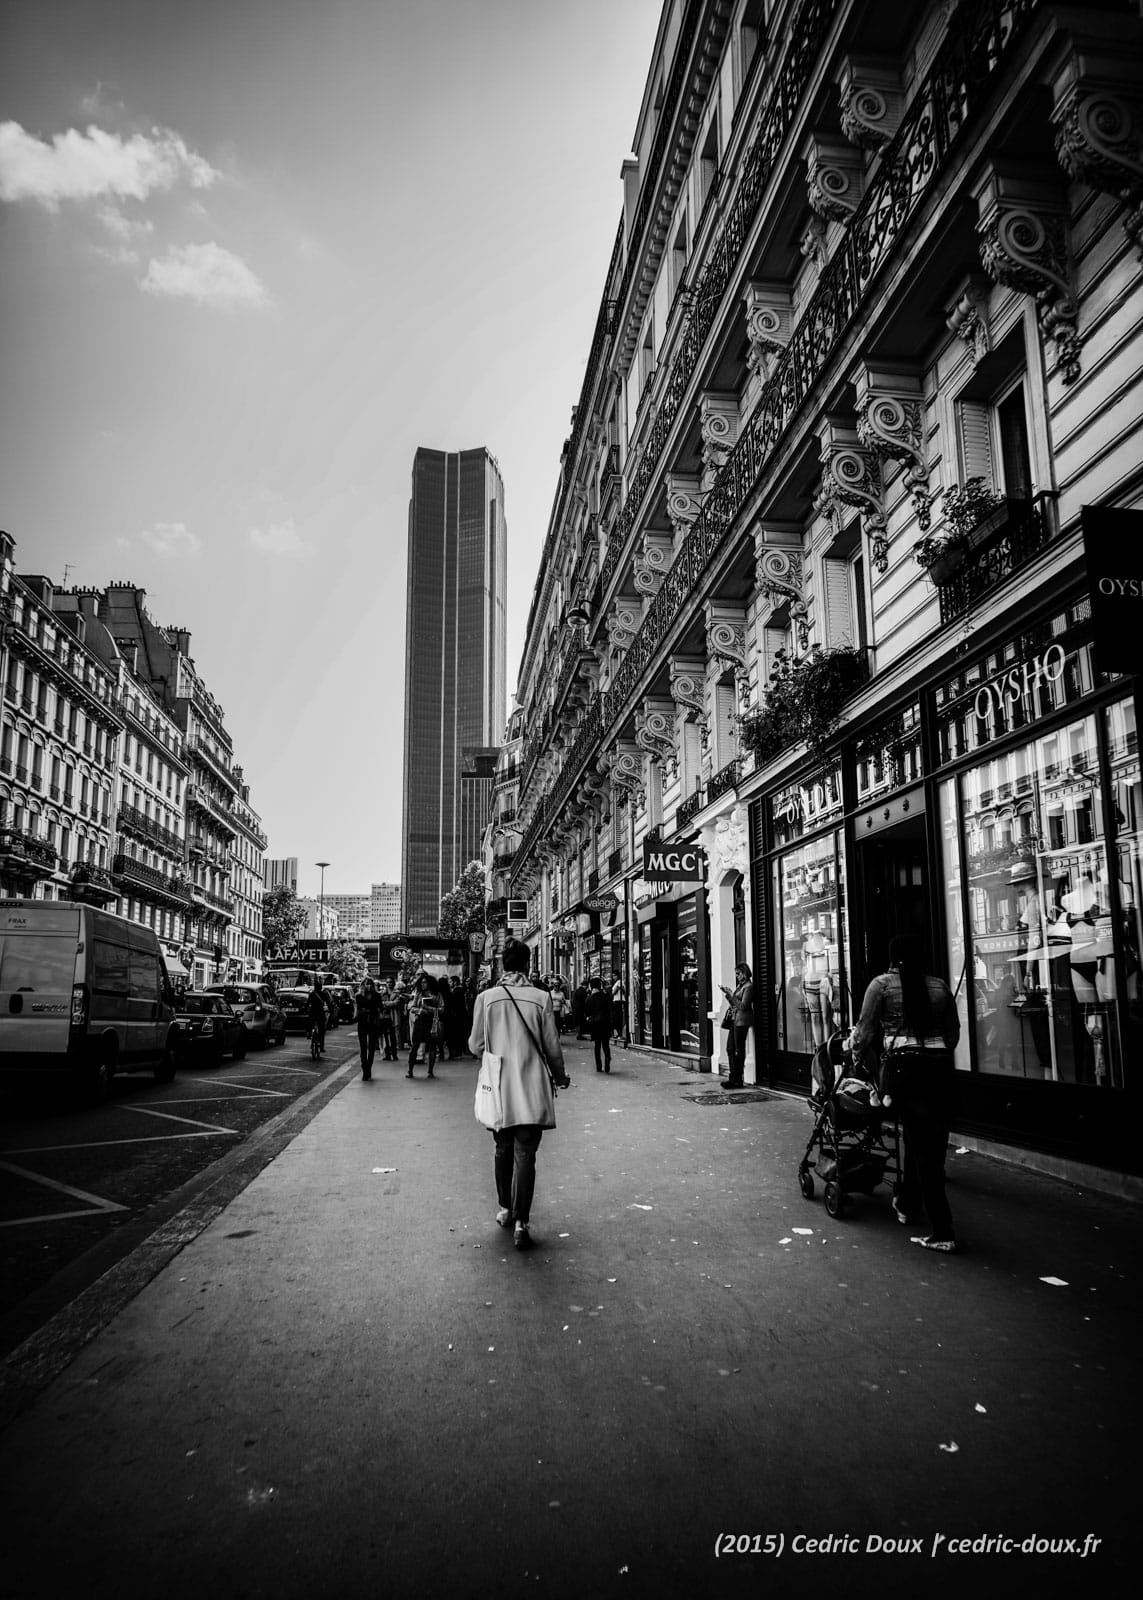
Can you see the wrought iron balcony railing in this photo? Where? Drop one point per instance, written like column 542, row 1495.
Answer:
column 726, row 778
column 1018, row 534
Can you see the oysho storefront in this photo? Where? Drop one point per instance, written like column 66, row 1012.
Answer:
column 996, row 820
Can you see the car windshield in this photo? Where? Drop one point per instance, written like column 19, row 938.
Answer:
column 196, row 1005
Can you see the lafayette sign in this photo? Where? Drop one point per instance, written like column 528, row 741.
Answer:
column 673, row 863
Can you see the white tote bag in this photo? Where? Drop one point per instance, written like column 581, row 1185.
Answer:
column 487, row 1107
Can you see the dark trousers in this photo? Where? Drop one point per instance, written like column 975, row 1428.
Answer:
column 735, row 1053
column 601, row 1038
column 515, row 1168
column 423, row 1035
column 925, row 1121
column 388, row 1037
column 367, row 1044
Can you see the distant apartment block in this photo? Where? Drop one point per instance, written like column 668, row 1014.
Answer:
column 282, row 872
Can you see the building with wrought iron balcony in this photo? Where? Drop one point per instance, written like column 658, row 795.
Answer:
column 247, row 866
column 60, row 727
column 854, row 469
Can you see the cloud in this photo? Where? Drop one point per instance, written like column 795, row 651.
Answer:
column 172, row 539
column 95, row 164
column 280, row 539
column 207, row 273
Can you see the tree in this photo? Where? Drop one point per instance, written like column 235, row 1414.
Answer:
column 283, row 919
column 463, row 908
column 347, row 960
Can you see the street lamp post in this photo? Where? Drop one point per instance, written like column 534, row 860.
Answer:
column 321, row 899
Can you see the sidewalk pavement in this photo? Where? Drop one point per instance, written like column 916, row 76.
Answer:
column 350, row 1384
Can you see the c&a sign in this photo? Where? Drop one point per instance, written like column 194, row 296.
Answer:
column 673, row 863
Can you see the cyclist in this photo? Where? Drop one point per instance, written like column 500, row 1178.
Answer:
column 316, row 1011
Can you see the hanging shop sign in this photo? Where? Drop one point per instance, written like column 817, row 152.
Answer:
column 673, row 863
column 1113, row 544
column 601, row 902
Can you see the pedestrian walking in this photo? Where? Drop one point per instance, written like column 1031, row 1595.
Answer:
column 909, row 1028
column 426, row 1016
column 456, row 1017
column 559, row 994
column 515, row 1021
column 740, row 1004
column 579, row 1000
column 597, row 1017
column 619, row 1011
column 368, row 1026
column 387, row 999
column 317, row 1012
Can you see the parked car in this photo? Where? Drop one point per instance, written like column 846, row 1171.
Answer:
column 295, row 1008
column 347, row 1006
column 82, row 992
column 208, row 1028
column 261, row 1014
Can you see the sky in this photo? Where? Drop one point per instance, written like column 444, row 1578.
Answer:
column 252, row 254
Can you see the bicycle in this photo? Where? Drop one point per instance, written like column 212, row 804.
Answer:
column 315, row 1043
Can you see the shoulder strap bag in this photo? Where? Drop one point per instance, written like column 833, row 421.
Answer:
column 532, row 1036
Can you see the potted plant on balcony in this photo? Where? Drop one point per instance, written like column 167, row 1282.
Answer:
column 967, row 518
column 803, row 701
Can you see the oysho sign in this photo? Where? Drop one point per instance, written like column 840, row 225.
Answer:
column 1113, row 545
column 673, row 864
column 995, row 699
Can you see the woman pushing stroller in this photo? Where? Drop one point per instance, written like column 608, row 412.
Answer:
column 909, row 1019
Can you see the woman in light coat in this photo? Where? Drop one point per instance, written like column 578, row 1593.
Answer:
column 514, row 1020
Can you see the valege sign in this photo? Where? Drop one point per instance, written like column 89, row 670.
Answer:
column 672, row 864
column 1113, row 543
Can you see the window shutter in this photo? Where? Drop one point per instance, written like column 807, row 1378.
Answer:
column 976, row 440
column 839, row 612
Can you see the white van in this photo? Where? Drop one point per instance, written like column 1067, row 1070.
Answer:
column 81, row 992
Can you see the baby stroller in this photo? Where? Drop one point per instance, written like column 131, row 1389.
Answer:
column 855, row 1136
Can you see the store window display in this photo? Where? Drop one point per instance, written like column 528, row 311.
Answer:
column 1028, row 830
column 811, row 993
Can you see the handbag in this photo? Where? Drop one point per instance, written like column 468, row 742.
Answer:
column 727, row 1018
column 487, row 1107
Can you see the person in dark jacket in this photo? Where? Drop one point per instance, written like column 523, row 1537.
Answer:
column 368, row 1026
column 740, row 1000
column 456, row 1019
column 578, row 1001
column 909, row 1018
column 597, row 1016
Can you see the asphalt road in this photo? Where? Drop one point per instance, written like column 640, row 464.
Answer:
column 80, row 1184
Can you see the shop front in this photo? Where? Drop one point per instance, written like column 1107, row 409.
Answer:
column 672, row 983
column 994, row 820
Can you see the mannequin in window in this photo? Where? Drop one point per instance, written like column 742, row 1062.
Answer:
column 1030, row 919
column 817, row 987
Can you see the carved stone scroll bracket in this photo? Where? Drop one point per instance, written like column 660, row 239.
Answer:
column 851, row 476
column 1023, row 233
column 1098, row 118
column 870, row 102
column 622, row 626
column 688, row 691
column 835, row 176
column 726, row 640
column 780, row 577
column 890, row 425
column 967, row 316
column 655, row 732
column 626, row 762
column 684, row 502
column 718, row 432
column 769, row 322
column 653, row 564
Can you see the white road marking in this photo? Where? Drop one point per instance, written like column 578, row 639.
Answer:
column 95, row 1205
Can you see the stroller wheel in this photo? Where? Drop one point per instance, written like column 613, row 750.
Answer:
column 834, row 1199
column 806, row 1183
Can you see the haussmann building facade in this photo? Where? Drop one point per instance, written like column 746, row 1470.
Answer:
column 834, row 608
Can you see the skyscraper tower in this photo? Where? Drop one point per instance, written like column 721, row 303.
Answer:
column 455, row 664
